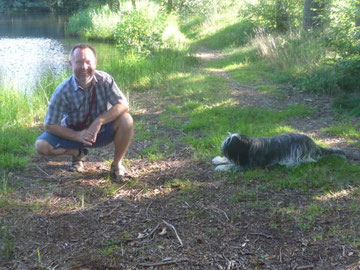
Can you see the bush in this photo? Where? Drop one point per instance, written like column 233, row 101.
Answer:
column 201, row 7
column 273, row 14
column 94, row 23
column 139, row 32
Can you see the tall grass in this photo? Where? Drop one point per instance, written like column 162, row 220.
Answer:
column 20, row 117
column 294, row 52
column 310, row 64
column 139, row 72
column 17, row 132
column 95, row 23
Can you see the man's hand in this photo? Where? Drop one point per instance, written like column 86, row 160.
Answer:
column 88, row 136
column 85, row 136
column 94, row 129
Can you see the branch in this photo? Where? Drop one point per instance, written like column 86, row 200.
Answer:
column 173, row 228
column 163, row 263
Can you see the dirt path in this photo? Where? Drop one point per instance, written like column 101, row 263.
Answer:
column 59, row 220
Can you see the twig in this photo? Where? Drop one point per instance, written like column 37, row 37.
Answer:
column 261, row 234
column 220, row 210
column 163, row 263
column 47, row 175
column 280, row 256
column 173, row 228
column 305, row 267
column 108, row 214
column 156, row 227
column 147, row 210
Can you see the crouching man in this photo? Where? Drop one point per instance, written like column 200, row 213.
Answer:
column 87, row 110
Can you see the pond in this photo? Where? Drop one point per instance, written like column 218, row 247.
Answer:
column 32, row 45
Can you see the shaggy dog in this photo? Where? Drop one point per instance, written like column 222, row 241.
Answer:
column 290, row 149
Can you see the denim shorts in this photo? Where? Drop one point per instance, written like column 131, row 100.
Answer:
column 104, row 137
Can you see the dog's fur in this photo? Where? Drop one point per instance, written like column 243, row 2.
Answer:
column 290, row 149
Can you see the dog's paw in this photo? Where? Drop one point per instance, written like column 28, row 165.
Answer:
column 227, row 168
column 220, row 160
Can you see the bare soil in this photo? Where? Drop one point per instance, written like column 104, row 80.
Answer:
column 62, row 220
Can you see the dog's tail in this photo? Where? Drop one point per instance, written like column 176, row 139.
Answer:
column 332, row 152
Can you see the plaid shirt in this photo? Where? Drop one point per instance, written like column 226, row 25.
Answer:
column 70, row 103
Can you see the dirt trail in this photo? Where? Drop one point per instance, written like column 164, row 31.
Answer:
column 61, row 220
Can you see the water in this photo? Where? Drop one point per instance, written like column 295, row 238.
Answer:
column 24, row 60
column 31, row 45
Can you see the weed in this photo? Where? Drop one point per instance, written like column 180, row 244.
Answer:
column 244, row 195
column 4, row 191
column 6, row 243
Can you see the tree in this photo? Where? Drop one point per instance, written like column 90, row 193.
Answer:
column 169, row 6
column 133, row 2
column 281, row 16
column 357, row 14
column 313, row 14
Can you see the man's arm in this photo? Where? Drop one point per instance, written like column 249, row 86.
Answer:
column 106, row 117
column 110, row 115
column 69, row 134
column 88, row 136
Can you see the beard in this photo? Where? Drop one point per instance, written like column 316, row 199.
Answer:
column 85, row 78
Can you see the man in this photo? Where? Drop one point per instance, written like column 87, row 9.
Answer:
column 87, row 110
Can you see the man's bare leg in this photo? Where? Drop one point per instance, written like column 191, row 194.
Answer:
column 46, row 149
column 124, row 130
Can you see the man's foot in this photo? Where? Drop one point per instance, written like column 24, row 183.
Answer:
column 77, row 164
column 118, row 173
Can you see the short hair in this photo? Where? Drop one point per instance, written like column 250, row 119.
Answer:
column 81, row 46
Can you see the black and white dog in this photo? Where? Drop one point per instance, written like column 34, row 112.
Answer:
column 290, row 149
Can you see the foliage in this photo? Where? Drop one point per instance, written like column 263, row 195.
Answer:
column 342, row 34
column 94, row 23
column 140, row 32
column 200, row 7
column 281, row 15
column 17, row 114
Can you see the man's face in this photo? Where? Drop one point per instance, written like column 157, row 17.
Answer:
column 83, row 63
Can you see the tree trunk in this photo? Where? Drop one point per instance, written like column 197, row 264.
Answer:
column 318, row 11
column 114, row 5
column 313, row 13
column 307, row 20
column 282, row 16
column 133, row 2
column 169, row 6
column 357, row 13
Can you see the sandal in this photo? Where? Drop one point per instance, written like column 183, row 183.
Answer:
column 118, row 173
column 77, row 164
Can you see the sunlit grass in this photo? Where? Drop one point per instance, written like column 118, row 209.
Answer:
column 18, row 114
column 143, row 72
column 346, row 129
column 214, row 124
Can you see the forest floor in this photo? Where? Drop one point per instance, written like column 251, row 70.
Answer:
column 63, row 220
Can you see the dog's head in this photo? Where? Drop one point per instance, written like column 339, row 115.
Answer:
column 236, row 148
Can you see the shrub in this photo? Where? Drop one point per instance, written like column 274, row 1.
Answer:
column 139, row 32
column 94, row 23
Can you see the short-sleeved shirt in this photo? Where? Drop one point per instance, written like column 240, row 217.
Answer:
column 70, row 103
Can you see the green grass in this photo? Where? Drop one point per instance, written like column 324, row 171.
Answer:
column 188, row 189
column 206, row 128
column 346, row 129
column 18, row 115
column 138, row 72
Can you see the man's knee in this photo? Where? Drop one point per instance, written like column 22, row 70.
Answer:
column 124, row 123
column 43, row 147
